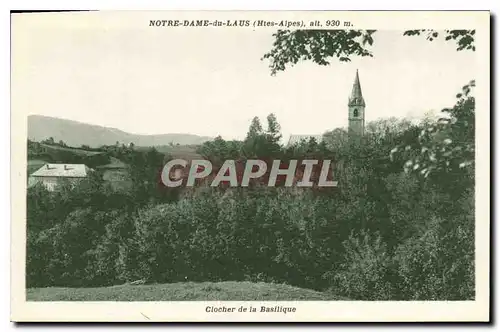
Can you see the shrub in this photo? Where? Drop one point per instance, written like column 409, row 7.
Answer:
column 366, row 272
column 437, row 265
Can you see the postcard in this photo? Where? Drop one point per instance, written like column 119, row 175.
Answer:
column 250, row 166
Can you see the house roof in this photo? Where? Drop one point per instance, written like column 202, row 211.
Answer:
column 62, row 170
column 297, row 138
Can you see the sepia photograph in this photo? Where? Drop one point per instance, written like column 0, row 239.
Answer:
column 251, row 163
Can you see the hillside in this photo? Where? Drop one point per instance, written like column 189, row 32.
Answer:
column 41, row 153
column 186, row 152
column 75, row 133
column 69, row 149
column 185, row 291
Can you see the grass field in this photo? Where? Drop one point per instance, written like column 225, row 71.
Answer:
column 186, row 152
column 71, row 149
column 185, row 291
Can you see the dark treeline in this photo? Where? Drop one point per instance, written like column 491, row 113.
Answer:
column 52, row 152
column 400, row 224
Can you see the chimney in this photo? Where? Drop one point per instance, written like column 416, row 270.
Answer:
column 48, row 166
column 65, row 167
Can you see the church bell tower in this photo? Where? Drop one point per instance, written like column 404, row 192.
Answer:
column 356, row 107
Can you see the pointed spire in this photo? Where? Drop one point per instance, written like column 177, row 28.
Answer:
column 356, row 94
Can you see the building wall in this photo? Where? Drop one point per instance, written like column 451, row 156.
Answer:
column 51, row 182
column 115, row 175
column 118, row 178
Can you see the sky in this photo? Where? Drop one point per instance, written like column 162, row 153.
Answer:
column 213, row 82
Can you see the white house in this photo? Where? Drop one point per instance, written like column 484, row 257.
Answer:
column 51, row 174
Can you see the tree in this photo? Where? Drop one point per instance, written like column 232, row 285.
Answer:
column 273, row 134
column 446, row 145
column 336, row 139
column 292, row 46
column 50, row 141
column 145, row 169
column 273, row 128
column 263, row 144
column 220, row 150
column 255, row 128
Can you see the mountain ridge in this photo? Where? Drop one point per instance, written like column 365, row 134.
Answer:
column 76, row 133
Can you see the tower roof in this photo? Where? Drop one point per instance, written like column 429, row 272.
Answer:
column 356, row 98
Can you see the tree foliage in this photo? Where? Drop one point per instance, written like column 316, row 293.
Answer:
column 292, row 46
column 319, row 46
column 447, row 145
column 463, row 38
